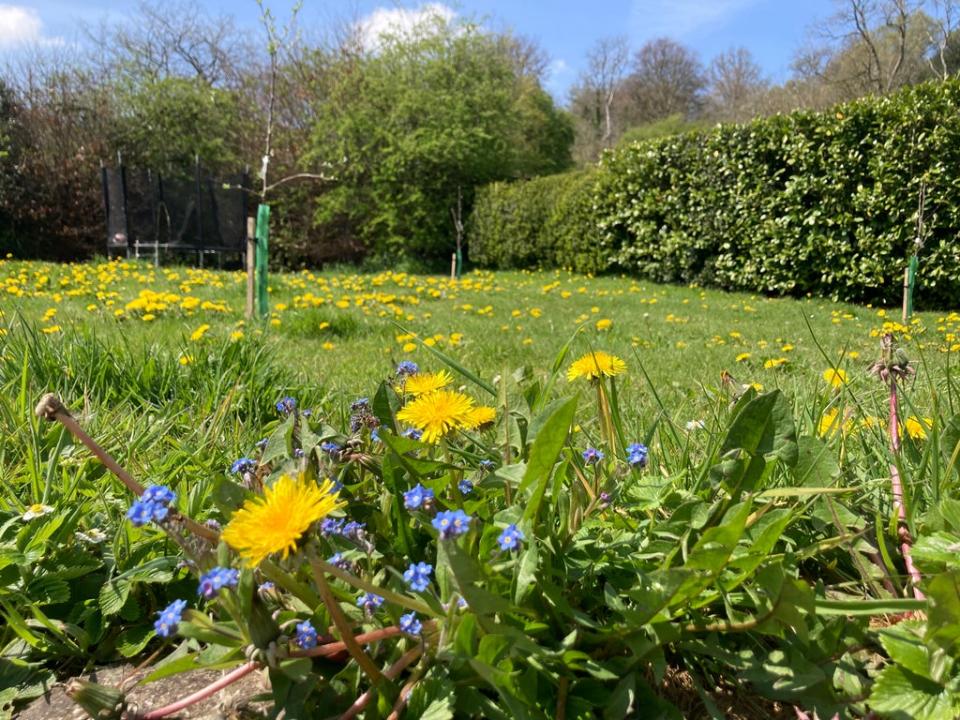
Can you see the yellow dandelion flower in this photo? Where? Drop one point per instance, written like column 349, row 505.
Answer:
column 328, row 345
column 774, row 363
column 186, row 359
column 409, row 347
column 236, row 335
column 743, row 357
column 593, row 365
column 148, row 317
column 835, row 378
column 51, row 329
column 199, row 332
column 437, row 413
column 275, row 522
column 422, row 383
column 831, row 423
column 853, row 354
column 480, row 416
column 604, row 324
column 916, row 428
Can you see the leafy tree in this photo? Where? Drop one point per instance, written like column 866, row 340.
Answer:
column 415, row 124
column 166, row 123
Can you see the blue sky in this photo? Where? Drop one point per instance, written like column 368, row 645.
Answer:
column 771, row 29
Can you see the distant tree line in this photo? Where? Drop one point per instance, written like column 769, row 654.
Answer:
column 386, row 137
column 865, row 47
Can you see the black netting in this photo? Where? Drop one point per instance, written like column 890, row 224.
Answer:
column 177, row 208
column 113, row 198
column 141, row 205
column 223, row 213
column 192, row 214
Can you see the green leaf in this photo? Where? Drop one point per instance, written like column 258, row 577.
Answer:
column 133, row 640
column 764, row 427
column 900, row 694
column 816, row 464
column 544, row 454
column 112, row 597
column 905, row 646
column 527, row 572
column 280, row 442
column 943, row 614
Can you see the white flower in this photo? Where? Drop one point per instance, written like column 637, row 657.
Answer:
column 36, row 510
column 94, row 536
column 695, row 425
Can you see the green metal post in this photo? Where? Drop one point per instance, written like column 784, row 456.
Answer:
column 911, row 283
column 459, row 263
column 263, row 235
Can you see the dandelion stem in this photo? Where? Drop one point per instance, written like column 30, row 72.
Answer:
column 896, row 486
column 333, row 648
column 52, row 409
column 343, row 625
column 391, row 673
column 203, row 693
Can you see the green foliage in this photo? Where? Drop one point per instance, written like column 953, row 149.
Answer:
column 749, row 555
column 421, row 122
column 666, row 127
column 542, row 222
column 819, row 203
column 166, row 123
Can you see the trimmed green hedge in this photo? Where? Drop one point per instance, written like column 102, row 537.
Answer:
column 544, row 222
column 822, row 203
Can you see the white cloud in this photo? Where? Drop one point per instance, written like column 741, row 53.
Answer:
column 22, row 26
column 679, row 18
column 558, row 67
column 400, row 21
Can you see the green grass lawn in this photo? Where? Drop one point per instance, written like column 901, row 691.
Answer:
column 160, row 366
column 339, row 333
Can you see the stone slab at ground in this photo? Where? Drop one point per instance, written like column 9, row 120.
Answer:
column 231, row 703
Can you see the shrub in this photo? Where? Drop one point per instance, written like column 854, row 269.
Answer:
column 822, row 203
column 544, row 222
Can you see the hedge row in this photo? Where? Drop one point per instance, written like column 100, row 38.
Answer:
column 821, row 203
column 544, row 222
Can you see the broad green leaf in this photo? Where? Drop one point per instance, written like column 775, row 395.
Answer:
column 764, row 427
column 280, row 442
column 898, row 693
column 133, row 640
column 544, row 454
column 905, row 646
column 816, row 464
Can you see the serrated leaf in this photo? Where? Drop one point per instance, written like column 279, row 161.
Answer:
column 112, row 597
column 899, row 693
column 133, row 640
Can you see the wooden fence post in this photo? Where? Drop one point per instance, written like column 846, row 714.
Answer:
column 251, row 260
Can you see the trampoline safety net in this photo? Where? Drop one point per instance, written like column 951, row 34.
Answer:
column 148, row 214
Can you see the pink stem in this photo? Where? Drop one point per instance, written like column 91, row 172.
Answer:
column 337, row 647
column 203, row 693
column 903, row 533
column 390, row 673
